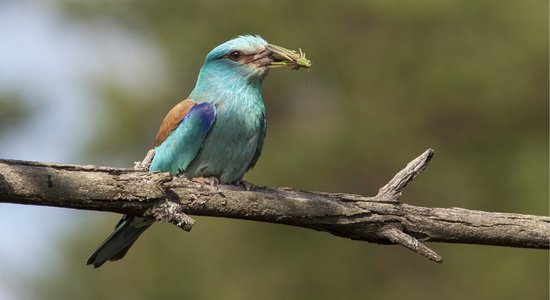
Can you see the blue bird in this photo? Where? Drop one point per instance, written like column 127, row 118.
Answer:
column 218, row 131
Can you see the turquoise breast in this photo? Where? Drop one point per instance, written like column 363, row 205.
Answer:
column 233, row 139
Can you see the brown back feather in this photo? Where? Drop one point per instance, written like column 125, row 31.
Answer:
column 172, row 120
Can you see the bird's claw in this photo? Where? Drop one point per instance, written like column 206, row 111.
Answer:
column 247, row 185
column 206, row 180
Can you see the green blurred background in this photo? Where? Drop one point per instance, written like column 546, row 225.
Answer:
column 389, row 80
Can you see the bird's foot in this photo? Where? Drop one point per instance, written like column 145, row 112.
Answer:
column 206, row 180
column 247, row 185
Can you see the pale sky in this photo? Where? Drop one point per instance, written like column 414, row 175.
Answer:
column 53, row 65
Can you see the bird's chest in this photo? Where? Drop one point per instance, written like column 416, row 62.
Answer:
column 231, row 143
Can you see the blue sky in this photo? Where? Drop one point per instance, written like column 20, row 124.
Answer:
column 53, row 64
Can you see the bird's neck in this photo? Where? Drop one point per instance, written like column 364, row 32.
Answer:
column 217, row 86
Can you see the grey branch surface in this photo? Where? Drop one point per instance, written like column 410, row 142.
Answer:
column 380, row 219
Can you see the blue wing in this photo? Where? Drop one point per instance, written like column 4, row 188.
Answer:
column 179, row 140
column 263, row 129
column 182, row 145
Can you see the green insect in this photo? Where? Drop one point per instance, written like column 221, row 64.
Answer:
column 298, row 59
column 302, row 61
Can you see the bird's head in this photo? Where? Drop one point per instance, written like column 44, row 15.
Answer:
column 246, row 59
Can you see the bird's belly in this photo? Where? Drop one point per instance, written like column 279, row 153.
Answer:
column 228, row 148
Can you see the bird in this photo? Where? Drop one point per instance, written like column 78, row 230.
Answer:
column 217, row 131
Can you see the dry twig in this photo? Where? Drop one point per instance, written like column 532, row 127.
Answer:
column 380, row 219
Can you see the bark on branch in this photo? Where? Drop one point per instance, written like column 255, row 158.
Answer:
column 380, row 219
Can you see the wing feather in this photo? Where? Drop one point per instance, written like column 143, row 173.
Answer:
column 263, row 129
column 172, row 120
column 184, row 138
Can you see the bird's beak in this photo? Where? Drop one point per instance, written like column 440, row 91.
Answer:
column 276, row 56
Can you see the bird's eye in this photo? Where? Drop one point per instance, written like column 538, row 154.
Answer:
column 235, row 55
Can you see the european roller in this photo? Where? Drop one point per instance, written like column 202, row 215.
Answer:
column 218, row 131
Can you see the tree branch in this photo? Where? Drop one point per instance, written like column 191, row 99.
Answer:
column 380, row 219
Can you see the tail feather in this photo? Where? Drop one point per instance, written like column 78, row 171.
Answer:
column 116, row 245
